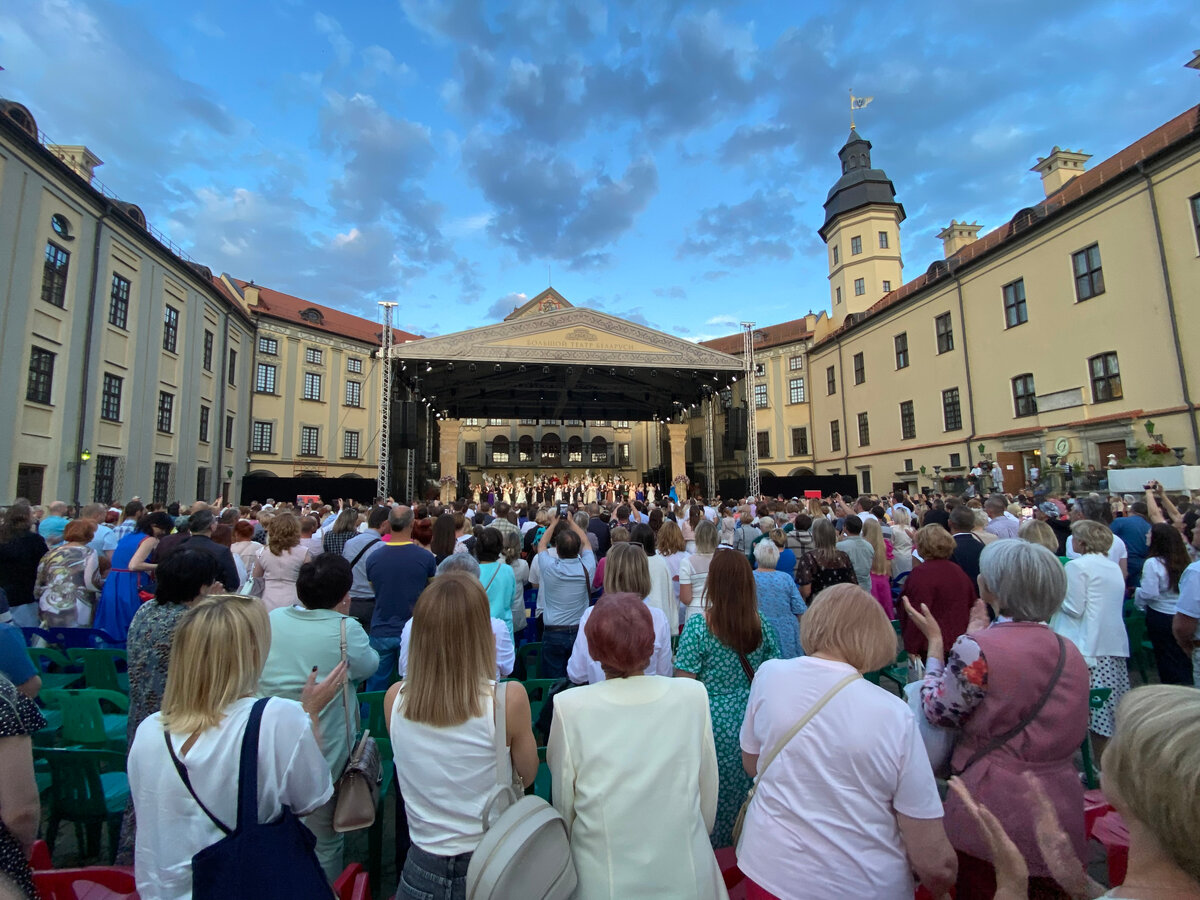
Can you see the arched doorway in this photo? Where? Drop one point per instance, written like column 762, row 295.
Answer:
column 574, row 449
column 500, row 449
column 551, row 454
column 525, row 449
column 802, row 470
column 600, row 452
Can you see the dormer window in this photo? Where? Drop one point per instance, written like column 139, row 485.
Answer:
column 312, row 315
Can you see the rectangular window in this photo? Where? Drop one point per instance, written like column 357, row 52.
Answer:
column 951, row 410
column 901, row 343
column 501, row 422
column 1024, row 396
column 1194, row 202
column 312, row 386
column 830, row 381
column 760, row 396
column 471, row 453
column 166, row 411
column 350, row 445
column 944, row 329
column 836, row 255
column 864, row 430
column 118, row 305
column 860, row 287
column 855, row 245
column 1014, row 304
column 799, row 442
column 264, row 378
column 354, row 393
column 1089, row 277
column 229, row 420
column 354, row 364
column 908, row 465
column 110, row 397
column 835, row 436
column 760, row 369
column 796, row 363
column 313, row 356
column 887, row 286
column 106, row 479
column 796, row 390
column 625, row 453
column 170, row 328
column 955, row 460
column 261, row 437
column 908, row 421
column 205, row 412
column 162, row 482
column 883, row 240
column 1106, row 378
column 865, row 477
column 208, row 351
column 54, row 275
column 310, row 437
column 41, row 376
column 202, row 481
column 621, row 423
column 860, row 371
column 232, row 374
column 471, row 422
column 762, row 440
column 268, row 346
column 837, row 294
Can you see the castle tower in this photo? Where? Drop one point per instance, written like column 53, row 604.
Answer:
column 862, row 232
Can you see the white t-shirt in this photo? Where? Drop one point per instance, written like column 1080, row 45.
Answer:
column 506, row 654
column 582, row 669
column 1117, row 552
column 172, row 828
column 824, row 814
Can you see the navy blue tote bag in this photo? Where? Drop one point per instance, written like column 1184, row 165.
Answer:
column 254, row 861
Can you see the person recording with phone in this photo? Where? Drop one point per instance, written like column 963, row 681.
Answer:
column 564, row 578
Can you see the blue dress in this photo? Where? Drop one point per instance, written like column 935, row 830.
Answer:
column 779, row 602
column 119, row 600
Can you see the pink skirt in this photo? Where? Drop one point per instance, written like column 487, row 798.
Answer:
column 881, row 590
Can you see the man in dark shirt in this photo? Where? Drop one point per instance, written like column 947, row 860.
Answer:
column 968, row 545
column 600, row 529
column 202, row 523
column 937, row 515
column 398, row 572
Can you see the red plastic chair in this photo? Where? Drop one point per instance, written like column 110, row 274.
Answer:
column 1113, row 835
column 93, row 883
column 1095, row 804
column 39, row 857
column 353, row 884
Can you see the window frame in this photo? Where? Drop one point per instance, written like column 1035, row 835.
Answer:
column 310, row 441
column 39, row 386
column 796, row 393
column 856, row 245
column 170, row 339
column 205, row 417
column 210, row 340
column 314, row 356
column 351, row 436
column 800, row 447
column 1092, row 275
column 258, row 430
column 902, row 357
column 860, row 368
column 230, row 428
column 952, row 403
column 1015, row 307
column 105, row 484
column 266, row 378
column 830, row 381
column 864, row 429
column 883, row 240
column 837, row 293
column 944, row 338
column 796, row 363
column 886, row 286
column 762, row 443
column 761, row 400
column 1194, row 205
column 860, row 286
column 312, row 379
column 164, row 421
column 837, row 256
column 1107, row 377
column 118, row 302
column 354, row 365
column 161, row 488
column 355, row 388
column 231, row 374
column 56, row 263
column 835, row 436
column 908, row 421
column 1024, row 399
column 268, row 346
column 110, row 400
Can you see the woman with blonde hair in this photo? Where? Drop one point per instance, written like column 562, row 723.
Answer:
column 902, row 540
column 881, row 565
column 627, row 572
column 693, row 571
column 722, row 648
column 670, row 545
column 1090, row 618
column 279, row 563
column 181, row 785
column 1037, row 532
column 442, row 722
column 848, row 806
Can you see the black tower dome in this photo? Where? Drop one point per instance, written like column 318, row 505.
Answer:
column 860, row 185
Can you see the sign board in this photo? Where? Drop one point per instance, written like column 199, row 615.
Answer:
column 812, row 495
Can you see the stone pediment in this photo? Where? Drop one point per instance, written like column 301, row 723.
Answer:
column 566, row 336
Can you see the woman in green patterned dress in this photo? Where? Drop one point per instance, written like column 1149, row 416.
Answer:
column 723, row 648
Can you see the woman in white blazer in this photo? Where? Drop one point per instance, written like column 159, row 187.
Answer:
column 634, row 770
column 1091, row 617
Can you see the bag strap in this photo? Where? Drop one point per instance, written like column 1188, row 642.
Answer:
column 247, row 814
column 500, row 711
column 345, row 688
column 746, row 667
column 360, row 553
column 187, row 783
column 495, row 572
column 805, row 719
column 1000, row 740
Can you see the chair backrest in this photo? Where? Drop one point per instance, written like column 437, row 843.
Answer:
column 76, row 786
column 47, row 659
column 82, row 714
column 375, row 720
column 59, row 884
column 100, row 667
column 532, row 655
column 1097, row 697
column 72, row 638
column 344, row 886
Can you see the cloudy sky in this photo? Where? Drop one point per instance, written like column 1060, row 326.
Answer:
column 663, row 161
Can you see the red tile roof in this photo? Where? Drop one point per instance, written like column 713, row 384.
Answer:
column 773, row 336
column 1180, row 128
column 278, row 305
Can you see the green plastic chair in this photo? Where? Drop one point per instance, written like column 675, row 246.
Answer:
column 100, row 668
column 374, row 719
column 1096, row 699
column 84, row 721
column 542, row 783
column 375, row 832
column 539, row 692
column 88, row 788
column 1135, row 628
column 675, row 644
column 532, row 655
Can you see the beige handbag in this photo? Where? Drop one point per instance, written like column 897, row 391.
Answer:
column 765, row 761
column 357, row 790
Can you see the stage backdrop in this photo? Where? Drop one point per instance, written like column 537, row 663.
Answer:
column 260, row 487
column 794, row 486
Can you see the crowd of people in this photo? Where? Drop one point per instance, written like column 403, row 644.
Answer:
column 707, row 662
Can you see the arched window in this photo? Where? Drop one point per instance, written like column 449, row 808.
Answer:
column 525, row 449
column 599, row 451
column 575, row 448
column 500, row 449
column 551, row 449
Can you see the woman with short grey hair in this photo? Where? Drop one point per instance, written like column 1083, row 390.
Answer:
column 779, row 599
column 1018, row 693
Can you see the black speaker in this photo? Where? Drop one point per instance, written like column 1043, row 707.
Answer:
column 404, row 426
column 735, row 428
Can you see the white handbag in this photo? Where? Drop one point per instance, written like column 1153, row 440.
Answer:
column 526, row 851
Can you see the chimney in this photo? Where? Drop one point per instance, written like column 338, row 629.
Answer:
column 82, row 161
column 1060, row 167
column 957, row 235
column 250, row 292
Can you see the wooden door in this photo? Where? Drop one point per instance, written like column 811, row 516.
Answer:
column 1012, row 464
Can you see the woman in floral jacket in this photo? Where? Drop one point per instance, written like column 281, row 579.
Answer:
column 69, row 578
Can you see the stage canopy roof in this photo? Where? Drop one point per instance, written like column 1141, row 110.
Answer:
column 550, row 360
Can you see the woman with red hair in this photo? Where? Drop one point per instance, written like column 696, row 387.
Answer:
column 634, row 768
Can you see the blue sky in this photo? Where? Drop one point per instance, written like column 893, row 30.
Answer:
column 667, row 162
